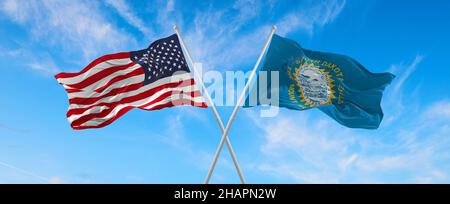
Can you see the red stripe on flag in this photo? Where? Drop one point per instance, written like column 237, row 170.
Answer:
column 135, row 72
column 97, row 61
column 100, row 75
column 73, row 90
column 129, row 99
column 177, row 102
column 128, row 88
column 105, row 112
column 120, row 113
column 125, row 110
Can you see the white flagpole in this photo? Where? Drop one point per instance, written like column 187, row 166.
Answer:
column 238, row 104
column 211, row 103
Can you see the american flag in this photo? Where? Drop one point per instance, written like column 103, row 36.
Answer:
column 149, row 79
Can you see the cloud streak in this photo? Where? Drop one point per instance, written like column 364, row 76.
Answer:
column 126, row 12
column 395, row 94
column 312, row 18
column 440, row 109
column 26, row 172
column 224, row 37
column 74, row 25
column 406, row 73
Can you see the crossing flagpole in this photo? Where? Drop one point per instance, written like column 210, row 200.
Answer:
column 211, row 103
column 238, row 104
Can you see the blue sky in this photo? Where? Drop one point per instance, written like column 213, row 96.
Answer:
column 42, row 38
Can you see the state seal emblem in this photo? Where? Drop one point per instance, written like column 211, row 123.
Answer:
column 314, row 84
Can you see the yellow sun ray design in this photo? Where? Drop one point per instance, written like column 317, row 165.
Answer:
column 328, row 80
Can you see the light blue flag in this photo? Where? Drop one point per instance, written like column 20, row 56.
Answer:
column 338, row 85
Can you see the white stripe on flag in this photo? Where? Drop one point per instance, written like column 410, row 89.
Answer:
column 104, row 80
column 118, row 97
column 98, row 109
column 99, row 121
column 99, row 67
column 93, row 94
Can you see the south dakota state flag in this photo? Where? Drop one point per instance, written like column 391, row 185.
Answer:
column 336, row 84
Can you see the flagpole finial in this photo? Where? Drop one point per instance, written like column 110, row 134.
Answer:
column 175, row 27
column 274, row 27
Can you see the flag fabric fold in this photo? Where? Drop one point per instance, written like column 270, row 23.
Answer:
column 149, row 79
column 336, row 84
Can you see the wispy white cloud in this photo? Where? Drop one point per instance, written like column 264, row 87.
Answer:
column 170, row 5
column 175, row 136
column 406, row 72
column 209, row 39
column 304, row 150
column 76, row 25
column 39, row 178
column 312, row 18
column 167, row 16
column 11, row 53
column 127, row 13
column 395, row 94
column 438, row 110
column 14, row 129
column 346, row 163
column 299, row 149
column 246, row 10
column 47, row 67
column 161, row 22
column 15, row 10
column 40, row 62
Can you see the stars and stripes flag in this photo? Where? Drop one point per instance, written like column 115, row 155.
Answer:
column 149, row 79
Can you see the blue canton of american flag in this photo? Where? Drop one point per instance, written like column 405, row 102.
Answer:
column 162, row 59
column 149, row 79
